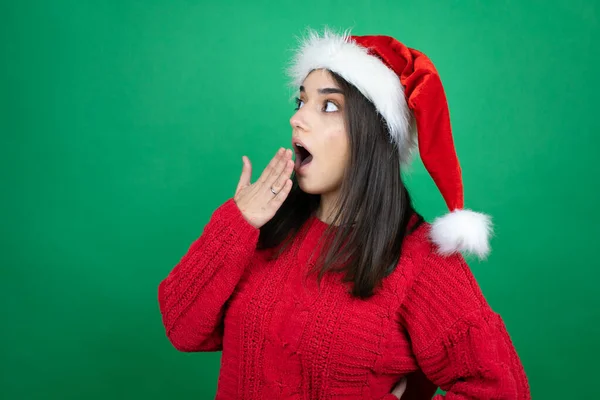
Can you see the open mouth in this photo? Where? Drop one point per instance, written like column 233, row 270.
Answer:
column 303, row 156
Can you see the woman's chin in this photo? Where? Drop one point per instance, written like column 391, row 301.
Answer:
column 307, row 187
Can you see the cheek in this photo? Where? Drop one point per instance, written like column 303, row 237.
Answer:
column 338, row 146
column 333, row 159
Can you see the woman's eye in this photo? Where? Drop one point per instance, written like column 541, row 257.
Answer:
column 299, row 103
column 330, row 106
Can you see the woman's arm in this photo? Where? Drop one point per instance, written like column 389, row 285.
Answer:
column 193, row 295
column 459, row 342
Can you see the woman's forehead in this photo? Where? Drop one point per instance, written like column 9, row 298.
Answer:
column 317, row 79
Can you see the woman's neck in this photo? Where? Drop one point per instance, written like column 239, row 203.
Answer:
column 327, row 207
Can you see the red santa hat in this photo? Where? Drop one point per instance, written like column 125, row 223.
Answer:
column 405, row 87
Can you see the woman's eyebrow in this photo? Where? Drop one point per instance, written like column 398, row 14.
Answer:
column 325, row 90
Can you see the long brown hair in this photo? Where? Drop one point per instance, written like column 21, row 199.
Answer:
column 374, row 207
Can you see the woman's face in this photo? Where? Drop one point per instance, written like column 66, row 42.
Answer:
column 319, row 136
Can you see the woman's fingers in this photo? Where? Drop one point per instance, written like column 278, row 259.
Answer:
column 260, row 201
column 270, row 167
column 246, row 175
column 280, row 197
column 279, row 167
column 285, row 174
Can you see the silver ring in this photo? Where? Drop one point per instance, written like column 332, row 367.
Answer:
column 272, row 191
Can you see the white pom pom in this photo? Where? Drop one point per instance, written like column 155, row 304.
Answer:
column 463, row 231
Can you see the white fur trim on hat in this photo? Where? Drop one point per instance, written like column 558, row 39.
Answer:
column 462, row 231
column 377, row 82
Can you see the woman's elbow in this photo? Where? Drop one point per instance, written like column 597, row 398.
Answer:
column 189, row 343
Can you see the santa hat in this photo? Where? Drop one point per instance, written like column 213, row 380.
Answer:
column 405, row 87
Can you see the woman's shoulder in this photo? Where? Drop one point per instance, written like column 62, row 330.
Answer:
column 420, row 257
column 418, row 240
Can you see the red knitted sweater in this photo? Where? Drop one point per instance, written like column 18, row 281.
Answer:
column 283, row 337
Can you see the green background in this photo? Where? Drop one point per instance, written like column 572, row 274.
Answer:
column 123, row 124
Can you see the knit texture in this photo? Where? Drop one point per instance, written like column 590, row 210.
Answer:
column 285, row 337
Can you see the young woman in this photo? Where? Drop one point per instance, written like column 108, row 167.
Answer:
column 329, row 285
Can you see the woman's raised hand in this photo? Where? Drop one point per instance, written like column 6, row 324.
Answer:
column 259, row 201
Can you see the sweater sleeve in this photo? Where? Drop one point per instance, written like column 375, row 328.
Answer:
column 459, row 342
column 193, row 296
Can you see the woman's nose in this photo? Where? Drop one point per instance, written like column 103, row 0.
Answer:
column 296, row 120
